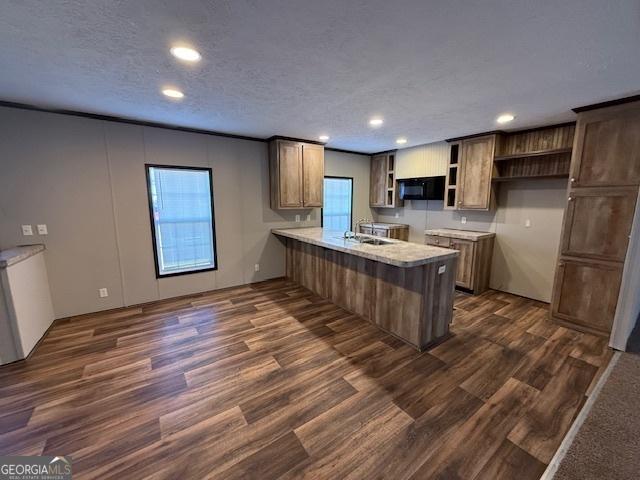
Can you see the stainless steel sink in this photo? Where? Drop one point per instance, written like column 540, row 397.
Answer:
column 366, row 240
column 375, row 241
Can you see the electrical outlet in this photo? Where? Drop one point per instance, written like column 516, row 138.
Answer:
column 442, row 269
column 463, row 220
column 297, row 218
column 103, row 292
column 397, row 215
column 256, row 267
column 27, row 230
column 308, row 217
column 527, row 223
column 42, row 230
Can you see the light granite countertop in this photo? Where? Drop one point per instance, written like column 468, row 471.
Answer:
column 384, row 225
column 397, row 252
column 460, row 234
column 11, row 256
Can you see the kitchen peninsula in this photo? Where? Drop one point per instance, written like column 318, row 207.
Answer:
column 403, row 288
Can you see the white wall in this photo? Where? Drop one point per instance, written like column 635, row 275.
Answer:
column 523, row 258
column 628, row 308
column 85, row 179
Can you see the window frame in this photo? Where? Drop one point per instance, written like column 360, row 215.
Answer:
column 152, row 223
column 350, row 210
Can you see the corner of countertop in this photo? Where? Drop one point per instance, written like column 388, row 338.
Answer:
column 11, row 256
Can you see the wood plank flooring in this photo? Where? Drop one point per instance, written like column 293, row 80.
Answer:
column 270, row 381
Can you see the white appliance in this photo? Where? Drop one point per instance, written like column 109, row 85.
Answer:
column 26, row 310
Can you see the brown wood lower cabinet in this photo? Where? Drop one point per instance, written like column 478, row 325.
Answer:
column 414, row 304
column 587, row 293
column 387, row 230
column 474, row 264
column 466, row 262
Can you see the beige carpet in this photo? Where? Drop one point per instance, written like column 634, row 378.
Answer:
column 607, row 446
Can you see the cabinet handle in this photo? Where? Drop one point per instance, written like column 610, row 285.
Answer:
column 573, row 179
column 570, row 198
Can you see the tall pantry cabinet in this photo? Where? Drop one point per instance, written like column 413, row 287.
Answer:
column 601, row 202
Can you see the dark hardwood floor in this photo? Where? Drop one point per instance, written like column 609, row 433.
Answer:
column 271, row 381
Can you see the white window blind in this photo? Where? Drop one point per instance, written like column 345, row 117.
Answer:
column 336, row 210
column 181, row 202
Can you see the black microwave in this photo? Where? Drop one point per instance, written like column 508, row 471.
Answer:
column 424, row 188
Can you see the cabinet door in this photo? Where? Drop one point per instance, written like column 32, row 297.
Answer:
column 598, row 222
column 378, row 187
column 464, row 276
column 607, row 147
column 399, row 233
column 313, row 174
column 290, row 174
column 586, row 293
column 476, row 170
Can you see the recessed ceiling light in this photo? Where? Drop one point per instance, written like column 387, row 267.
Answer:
column 185, row 53
column 376, row 122
column 323, row 138
column 505, row 118
column 172, row 93
column 401, row 141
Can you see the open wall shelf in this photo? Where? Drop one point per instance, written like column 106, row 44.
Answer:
column 555, row 165
column 540, row 153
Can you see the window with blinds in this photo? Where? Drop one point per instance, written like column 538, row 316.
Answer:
column 182, row 220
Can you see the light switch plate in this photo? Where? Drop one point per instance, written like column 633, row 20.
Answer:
column 27, row 230
column 442, row 269
column 308, row 217
column 42, row 230
column 103, row 292
column 527, row 223
column 397, row 215
column 256, row 267
column 297, row 218
column 463, row 220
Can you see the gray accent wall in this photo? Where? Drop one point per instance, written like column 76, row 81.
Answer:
column 85, row 179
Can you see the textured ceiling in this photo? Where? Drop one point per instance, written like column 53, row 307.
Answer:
column 300, row 68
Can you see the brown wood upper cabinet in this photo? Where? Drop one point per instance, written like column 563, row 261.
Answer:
column 312, row 174
column 296, row 171
column 607, row 147
column 476, row 171
column 383, row 192
column 378, row 181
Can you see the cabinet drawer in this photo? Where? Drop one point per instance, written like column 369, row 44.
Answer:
column 366, row 230
column 380, row 232
column 438, row 241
